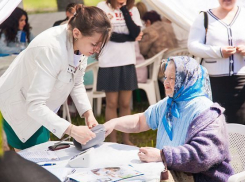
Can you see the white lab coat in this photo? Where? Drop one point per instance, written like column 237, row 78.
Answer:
column 39, row 81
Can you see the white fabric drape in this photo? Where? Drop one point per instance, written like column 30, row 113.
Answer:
column 184, row 12
column 7, row 7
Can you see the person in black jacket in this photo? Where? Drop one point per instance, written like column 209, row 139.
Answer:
column 70, row 10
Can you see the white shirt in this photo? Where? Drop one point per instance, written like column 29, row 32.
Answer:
column 118, row 54
column 219, row 35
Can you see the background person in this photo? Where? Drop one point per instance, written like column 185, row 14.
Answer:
column 157, row 35
column 40, row 79
column 191, row 134
column 117, row 75
column 223, row 53
column 70, row 10
column 15, row 32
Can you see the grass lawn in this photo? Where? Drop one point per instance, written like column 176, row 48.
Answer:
column 39, row 6
column 91, row 2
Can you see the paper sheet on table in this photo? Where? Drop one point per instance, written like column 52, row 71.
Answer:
column 105, row 174
column 39, row 156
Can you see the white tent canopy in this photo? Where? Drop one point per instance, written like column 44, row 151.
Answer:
column 7, row 7
column 184, row 12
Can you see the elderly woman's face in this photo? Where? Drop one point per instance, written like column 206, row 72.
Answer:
column 169, row 79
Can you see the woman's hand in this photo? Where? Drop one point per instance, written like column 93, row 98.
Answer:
column 109, row 127
column 228, row 51
column 139, row 37
column 81, row 134
column 90, row 119
column 241, row 50
column 149, row 154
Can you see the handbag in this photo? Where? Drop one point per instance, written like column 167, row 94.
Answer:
column 206, row 29
column 173, row 176
column 165, row 175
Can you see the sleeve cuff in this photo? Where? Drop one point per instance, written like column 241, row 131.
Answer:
column 221, row 53
column 123, row 8
column 167, row 153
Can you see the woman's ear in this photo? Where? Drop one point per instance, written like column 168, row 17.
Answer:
column 76, row 33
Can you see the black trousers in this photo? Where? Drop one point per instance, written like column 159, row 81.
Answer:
column 229, row 92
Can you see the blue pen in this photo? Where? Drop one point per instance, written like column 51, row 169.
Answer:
column 48, row 164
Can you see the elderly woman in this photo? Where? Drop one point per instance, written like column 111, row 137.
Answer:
column 191, row 135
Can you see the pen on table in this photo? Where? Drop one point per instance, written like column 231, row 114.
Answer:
column 48, row 164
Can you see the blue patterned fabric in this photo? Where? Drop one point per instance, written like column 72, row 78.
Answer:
column 188, row 110
column 191, row 81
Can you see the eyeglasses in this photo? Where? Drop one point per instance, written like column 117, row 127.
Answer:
column 169, row 79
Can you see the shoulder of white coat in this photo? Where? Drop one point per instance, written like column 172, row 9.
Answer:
column 54, row 39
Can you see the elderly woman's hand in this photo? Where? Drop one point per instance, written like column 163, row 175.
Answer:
column 149, row 154
column 109, row 127
column 228, row 51
column 241, row 50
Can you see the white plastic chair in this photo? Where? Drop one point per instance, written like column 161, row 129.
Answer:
column 92, row 93
column 177, row 52
column 236, row 134
column 151, row 86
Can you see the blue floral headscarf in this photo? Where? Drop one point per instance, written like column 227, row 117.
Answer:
column 191, row 81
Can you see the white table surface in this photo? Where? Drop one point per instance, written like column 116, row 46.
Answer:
column 106, row 155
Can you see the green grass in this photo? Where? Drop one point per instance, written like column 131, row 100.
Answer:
column 95, row 2
column 91, row 2
column 40, row 6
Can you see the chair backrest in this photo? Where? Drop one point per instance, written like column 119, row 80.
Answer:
column 177, row 52
column 236, row 133
column 94, row 67
column 154, row 63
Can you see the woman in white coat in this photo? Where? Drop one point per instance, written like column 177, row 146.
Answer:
column 222, row 48
column 40, row 79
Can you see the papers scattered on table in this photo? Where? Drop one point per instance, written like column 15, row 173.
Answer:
column 105, row 174
column 39, row 156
